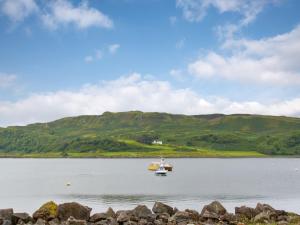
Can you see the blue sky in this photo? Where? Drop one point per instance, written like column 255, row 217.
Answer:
column 66, row 58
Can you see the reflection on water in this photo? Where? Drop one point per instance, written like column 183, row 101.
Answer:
column 124, row 183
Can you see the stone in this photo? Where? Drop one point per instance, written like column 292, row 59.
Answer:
column 193, row 214
column 162, row 208
column 46, row 212
column 111, row 213
column 214, row 207
column 130, row 223
column 158, row 222
column 180, row 216
column 262, row 217
column 142, row 222
column 6, row 222
column 246, row 212
column 97, row 217
column 164, row 217
column 282, row 223
column 141, row 211
column 20, row 217
column 74, row 209
column 40, row 222
column 228, row 217
column 72, row 221
column 6, row 214
column 54, row 222
column 123, row 217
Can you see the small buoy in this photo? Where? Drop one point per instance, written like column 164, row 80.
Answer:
column 68, row 184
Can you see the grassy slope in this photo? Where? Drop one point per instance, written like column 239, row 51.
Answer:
column 114, row 135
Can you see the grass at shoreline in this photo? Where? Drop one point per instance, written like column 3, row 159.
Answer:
column 130, row 154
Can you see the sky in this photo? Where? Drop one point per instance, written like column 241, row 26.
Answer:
column 64, row 58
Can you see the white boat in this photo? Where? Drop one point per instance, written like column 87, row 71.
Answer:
column 155, row 165
column 161, row 171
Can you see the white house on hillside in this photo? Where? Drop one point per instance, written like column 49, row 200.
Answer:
column 157, row 142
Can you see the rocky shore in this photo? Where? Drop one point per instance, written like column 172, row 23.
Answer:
column 161, row 214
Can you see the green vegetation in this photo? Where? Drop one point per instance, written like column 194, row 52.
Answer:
column 130, row 134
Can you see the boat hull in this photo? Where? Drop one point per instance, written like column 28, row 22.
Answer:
column 155, row 166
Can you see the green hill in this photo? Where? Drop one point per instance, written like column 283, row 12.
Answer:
column 130, row 134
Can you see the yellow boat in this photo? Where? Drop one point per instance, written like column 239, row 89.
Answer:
column 155, row 166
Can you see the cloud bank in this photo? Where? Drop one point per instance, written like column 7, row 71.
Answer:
column 131, row 92
column 273, row 60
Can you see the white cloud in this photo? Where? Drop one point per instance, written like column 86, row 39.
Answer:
column 131, row 92
column 273, row 60
column 7, row 80
column 97, row 56
column 17, row 10
column 113, row 48
column 63, row 12
column 196, row 10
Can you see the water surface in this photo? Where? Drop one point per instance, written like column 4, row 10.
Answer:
column 123, row 183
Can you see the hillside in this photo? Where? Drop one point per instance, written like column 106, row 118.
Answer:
column 131, row 134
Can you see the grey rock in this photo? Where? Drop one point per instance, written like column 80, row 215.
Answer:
column 17, row 218
column 193, row 214
column 164, row 217
column 6, row 214
column 262, row 217
column 179, row 217
column 130, row 223
column 246, row 212
column 142, row 222
column 111, row 213
column 6, row 222
column 162, row 208
column 123, row 217
column 72, row 221
column 214, row 207
column 74, row 209
column 97, row 217
column 40, row 222
column 141, row 211
column 54, row 222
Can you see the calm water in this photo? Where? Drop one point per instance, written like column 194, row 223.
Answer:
column 123, row 183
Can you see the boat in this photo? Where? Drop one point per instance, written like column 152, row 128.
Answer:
column 155, row 165
column 161, row 171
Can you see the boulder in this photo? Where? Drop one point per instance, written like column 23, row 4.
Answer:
column 164, row 217
column 46, row 212
column 130, row 223
column 180, row 217
column 143, row 222
column 20, row 217
column 142, row 212
column 97, row 217
column 6, row 214
column 228, row 217
column 40, row 222
column 111, row 213
column 79, row 212
column 263, row 217
column 246, row 212
column 54, row 222
column 73, row 221
column 123, row 217
column 215, row 207
column 162, row 208
column 193, row 214
column 6, row 222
